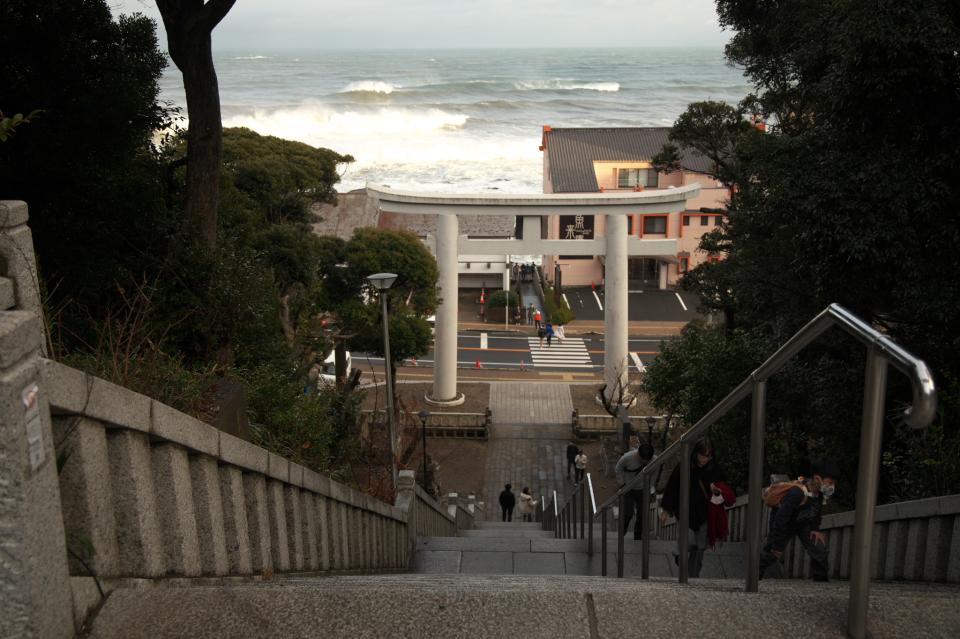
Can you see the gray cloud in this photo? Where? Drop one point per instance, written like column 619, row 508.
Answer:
column 459, row 23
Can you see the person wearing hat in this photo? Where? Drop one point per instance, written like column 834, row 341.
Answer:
column 798, row 514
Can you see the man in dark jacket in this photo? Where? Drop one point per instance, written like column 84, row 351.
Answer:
column 572, row 451
column 704, row 473
column 507, row 502
column 798, row 514
column 628, row 467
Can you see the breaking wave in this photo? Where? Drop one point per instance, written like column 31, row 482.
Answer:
column 369, row 86
column 567, row 85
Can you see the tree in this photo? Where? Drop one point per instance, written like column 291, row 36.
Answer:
column 411, row 298
column 850, row 198
column 189, row 25
column 86, row 166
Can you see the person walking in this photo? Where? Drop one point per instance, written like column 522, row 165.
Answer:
column 536, row 318
column 572, row 451
column 541, row 333
column 528, row 505
column 628, row 467
column 705, row 473
column 507, row 502
column 550, row 333
column 530, row 310
column 796, row 512
column 581, row 465
column 558, row 331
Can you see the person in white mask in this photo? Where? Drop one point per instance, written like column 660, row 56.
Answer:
column 797, row 513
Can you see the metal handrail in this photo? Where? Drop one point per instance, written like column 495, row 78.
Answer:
column 567, row 517
column 881, row 350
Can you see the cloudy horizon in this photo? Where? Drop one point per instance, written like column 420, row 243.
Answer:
column 431, row 24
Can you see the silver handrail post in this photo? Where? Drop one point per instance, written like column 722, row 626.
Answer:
column 871, row 437
column 644, row 515
column 593, row 516
column 583, row 507
column 621, row 525
column 758, row 422
column 572, row 508
column 556, row 520
column 683, row 517
column 603, row 543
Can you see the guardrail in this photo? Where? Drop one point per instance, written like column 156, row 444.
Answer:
column 881, row 351
column 913, row 540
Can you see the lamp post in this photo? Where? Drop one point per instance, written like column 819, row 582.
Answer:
column 423, row 415
column 626, row 426
column 650, row 422
column 382, row 282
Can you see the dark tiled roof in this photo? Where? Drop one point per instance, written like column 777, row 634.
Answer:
column 572, row 152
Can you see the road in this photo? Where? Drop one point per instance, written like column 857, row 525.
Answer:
column 499, row 350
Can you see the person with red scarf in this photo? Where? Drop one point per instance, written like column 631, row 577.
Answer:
column 705, row 474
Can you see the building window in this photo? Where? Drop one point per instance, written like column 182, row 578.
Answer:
column 630, row 178
column 654, row 224
column 630, row 230
column 704, row 220
column 686, row 220
column 684, row 265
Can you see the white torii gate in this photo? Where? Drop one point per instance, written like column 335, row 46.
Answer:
column 616, row 245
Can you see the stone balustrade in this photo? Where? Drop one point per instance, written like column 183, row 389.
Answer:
column 101, row 487
column 915, row 540
column 443, row 424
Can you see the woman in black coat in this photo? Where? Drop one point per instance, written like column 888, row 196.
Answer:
column 704, row 473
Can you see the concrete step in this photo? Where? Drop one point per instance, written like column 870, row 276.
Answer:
column 509, row 525
column 455, row 606
column 536, row 556
column 506, row 533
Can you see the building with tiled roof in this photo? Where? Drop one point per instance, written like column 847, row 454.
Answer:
column 591, row 160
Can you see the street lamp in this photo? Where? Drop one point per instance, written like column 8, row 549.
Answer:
column 382, row 282
column 650, row 423
column 626, row 426
column 423, row 415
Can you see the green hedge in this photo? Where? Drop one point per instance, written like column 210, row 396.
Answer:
column 556, row 313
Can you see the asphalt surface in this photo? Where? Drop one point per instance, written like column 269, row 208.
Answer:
column 511, row 351
column 644, row 304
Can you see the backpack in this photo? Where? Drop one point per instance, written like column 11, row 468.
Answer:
column 541, row 332
column 773, row 494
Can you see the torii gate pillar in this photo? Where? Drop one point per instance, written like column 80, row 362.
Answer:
column 445, row 329
column 615, row 313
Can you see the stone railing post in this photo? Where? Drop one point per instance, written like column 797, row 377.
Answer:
column 407, row 500
column 35, row 597
column 19, row 265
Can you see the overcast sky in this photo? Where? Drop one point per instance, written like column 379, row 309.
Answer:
column 364, row 24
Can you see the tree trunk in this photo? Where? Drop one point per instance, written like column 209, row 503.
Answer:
column 189, row 24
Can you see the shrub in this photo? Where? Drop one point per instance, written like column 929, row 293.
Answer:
column 558, row 313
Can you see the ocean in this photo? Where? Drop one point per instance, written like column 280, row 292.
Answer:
column 456, row 120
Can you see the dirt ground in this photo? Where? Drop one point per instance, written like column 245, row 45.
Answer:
column 583, row 396
column 410, row 397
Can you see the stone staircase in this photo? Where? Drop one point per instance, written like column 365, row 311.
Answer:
column 469, row 606
column 516, row 548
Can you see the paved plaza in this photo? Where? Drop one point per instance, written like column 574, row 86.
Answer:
column 527, row 446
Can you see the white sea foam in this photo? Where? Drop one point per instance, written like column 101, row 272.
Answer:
column 566, row 85
column 369, row 86
column 253, row 57
column 421, row 149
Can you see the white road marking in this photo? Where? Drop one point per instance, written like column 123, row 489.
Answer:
column 565, row 300
column 483, row 341
column 597, row 297
column 680, row 299
column 637, row 362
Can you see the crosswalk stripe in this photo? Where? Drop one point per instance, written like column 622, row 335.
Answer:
column 572, row 353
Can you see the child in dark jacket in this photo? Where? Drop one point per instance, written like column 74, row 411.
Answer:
column 798, row 514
